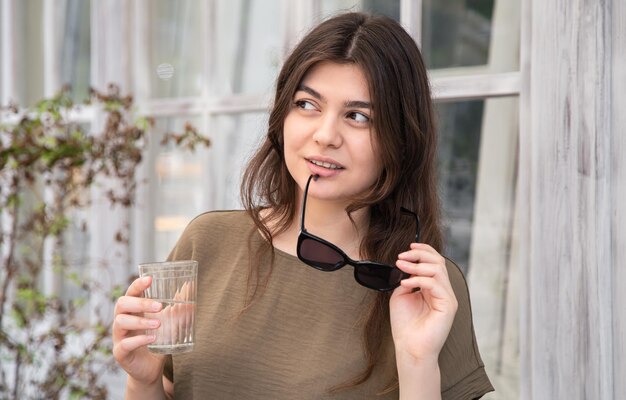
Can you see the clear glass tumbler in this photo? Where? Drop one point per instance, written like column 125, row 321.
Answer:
column 174, row 285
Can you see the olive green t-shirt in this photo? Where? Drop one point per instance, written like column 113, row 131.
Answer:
column 302, row 335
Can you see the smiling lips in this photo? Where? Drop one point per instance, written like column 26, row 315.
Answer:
column 325, row 164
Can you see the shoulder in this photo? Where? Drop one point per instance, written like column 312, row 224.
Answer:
column 217, row 225
column 209, row 230
column 463, row 374
column 218, row 220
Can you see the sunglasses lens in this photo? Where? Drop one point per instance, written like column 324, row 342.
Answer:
column 319, row 255
column 377, row 277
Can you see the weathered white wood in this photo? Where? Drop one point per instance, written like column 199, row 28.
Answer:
column 618, row 195
column 565, row 146
column 523, row 197
column 182, row 106
column 457, row 88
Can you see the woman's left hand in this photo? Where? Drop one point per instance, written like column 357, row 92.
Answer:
column 421, row 320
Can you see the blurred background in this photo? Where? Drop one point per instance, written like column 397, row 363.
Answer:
column 213, row 63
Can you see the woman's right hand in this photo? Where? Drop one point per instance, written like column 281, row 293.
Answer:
column 129, row 338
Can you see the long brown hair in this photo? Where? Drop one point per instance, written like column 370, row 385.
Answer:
column 404, row 128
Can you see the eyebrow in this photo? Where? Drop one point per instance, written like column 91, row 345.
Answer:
column 347, row 104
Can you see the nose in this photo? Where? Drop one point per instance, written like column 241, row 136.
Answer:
column 328, row 132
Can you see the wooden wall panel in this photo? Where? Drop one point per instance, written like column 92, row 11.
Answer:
column 618, row 187
column 567, row 180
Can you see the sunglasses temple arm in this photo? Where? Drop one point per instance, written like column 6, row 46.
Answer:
column 417, row 222
column 306, row 190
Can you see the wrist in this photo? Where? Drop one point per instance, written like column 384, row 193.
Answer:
column 422, row 361
column 419, row 378
column 144, row 390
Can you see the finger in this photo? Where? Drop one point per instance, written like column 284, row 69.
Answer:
column 430, row 250
column 125, row 323
column 129, row 304
column 129, row 344
column 138, row 286
column 434, row 288
column 421, row 269
column 134, row 323
column 422, row 255
column 425, row 247
column 402, row 290
column 181, row 292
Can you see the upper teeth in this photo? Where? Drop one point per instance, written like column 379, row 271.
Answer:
column 325, row 164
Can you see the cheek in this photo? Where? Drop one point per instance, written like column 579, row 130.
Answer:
column 371, row 156
column 290, row 139
column 290, row 130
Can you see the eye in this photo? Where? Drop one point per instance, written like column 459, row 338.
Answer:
column 358, row 117
column 304, row 104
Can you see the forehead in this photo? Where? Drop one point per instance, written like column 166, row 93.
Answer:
column 346, row 80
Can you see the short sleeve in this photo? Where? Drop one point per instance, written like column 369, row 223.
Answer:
column 463, row 375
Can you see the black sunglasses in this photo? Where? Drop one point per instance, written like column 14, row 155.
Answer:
column 325, row 256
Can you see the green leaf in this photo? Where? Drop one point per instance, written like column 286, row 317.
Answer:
column 117, row 292
column 78, row 393
column 79, row 302
column 18, row 318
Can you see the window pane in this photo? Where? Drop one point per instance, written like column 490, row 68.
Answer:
column 75, row 46
column 471, row 36
column 478, row 176
column 459, row 141
column 177, row 185
column 29, row 51
column 1, row 53
column 384, row 7
column 184, row 184
column 71, row 25
column 248, row 46
column 237, row 137
column 176, row 47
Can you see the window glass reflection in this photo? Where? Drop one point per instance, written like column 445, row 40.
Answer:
column 471, row 36
column 175, row 48
column 1, row 53
column 28, row 46
column 459, row 141
column 237, row 137
column 176, row 188
column 383, row 7
column 75, row 47
column 247, row 50
column 478, row 176
column 184, row 184
column 71, row 49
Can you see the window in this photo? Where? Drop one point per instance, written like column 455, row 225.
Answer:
column 214, row 63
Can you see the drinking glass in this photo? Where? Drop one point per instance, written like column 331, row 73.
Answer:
column 174, row 285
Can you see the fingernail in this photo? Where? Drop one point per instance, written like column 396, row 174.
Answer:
column 156, row 306
column 153, row 323
column 151, row 338
column 145, row 280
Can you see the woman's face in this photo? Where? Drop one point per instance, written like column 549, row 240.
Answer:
column 328, row 132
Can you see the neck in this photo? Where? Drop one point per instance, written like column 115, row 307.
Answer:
column 329, row 221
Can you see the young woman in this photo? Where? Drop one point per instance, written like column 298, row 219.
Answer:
column 287, row 308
